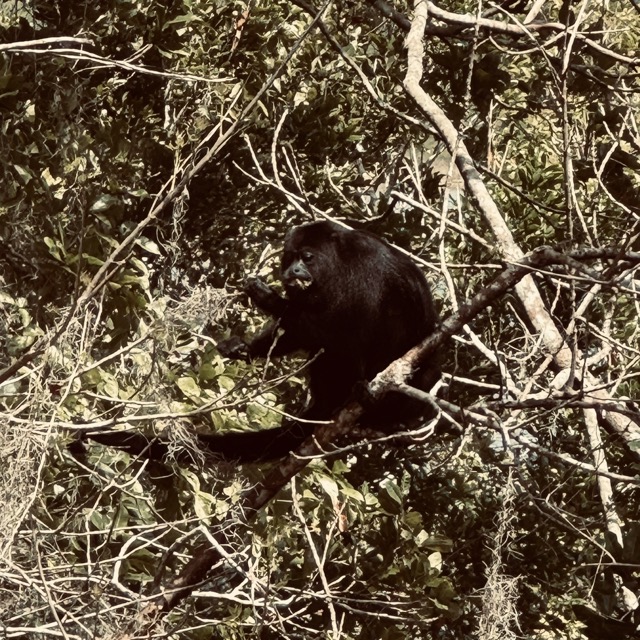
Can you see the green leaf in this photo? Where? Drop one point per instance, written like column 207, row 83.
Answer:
column 109, row 385
column 149, row 245
column 189, row 387
column 390, row 497
column 329, row 485
column 437, row 543
column 226, row 383
column 105, row 202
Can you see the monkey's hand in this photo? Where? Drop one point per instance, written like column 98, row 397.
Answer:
column 234, row 348
column 254, row 287
column 264, row 297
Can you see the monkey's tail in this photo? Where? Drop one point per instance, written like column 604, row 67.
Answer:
column 240, row 447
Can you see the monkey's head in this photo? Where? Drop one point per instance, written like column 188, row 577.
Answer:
column 309, row 257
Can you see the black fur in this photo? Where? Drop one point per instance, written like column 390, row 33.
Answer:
column 353, row 298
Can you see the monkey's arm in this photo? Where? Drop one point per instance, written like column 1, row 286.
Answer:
column 271, row 340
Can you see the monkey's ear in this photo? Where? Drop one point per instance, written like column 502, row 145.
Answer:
column 287, row 236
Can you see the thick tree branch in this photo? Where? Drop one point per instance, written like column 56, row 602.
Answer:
column 460, row 23
column 526, row 289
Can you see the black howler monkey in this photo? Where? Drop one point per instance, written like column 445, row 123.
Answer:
column 352, row 299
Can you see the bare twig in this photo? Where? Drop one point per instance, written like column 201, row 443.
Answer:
column 28, row 44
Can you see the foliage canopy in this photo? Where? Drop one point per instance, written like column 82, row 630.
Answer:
column 154, row 153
